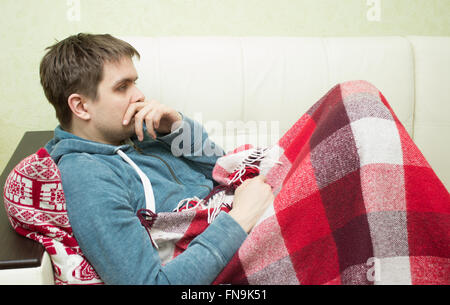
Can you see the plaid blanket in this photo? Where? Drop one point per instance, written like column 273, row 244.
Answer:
column 356, row 202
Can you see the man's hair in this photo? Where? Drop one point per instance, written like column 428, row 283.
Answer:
column 75, row 65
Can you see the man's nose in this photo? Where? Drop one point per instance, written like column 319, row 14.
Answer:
column 137, row 96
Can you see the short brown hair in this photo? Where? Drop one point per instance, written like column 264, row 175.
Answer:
column 75, row 65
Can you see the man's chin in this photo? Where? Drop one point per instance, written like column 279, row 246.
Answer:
column 128, row 132
column 121, row 135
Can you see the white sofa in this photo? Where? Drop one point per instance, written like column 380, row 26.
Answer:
column 267, row 83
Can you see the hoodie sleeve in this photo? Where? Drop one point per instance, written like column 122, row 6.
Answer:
column 191, row 141
column 118, row 247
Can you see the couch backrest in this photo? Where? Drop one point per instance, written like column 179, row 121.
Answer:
column 266, row 83
column 432, row 102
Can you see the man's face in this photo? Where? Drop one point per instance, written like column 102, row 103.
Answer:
column 115, row 93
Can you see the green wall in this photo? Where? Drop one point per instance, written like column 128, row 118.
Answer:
column 28, row 26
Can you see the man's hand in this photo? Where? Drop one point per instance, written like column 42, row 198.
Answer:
column 157, row 117
column 251, row 199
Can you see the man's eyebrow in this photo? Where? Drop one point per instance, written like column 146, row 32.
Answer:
column 125, row 80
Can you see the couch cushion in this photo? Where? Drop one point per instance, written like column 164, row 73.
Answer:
column 432, row 122
column 264, row 79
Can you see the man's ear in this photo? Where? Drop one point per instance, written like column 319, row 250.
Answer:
column 77, row 104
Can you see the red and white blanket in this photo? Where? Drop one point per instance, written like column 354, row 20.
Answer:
column 356, row 203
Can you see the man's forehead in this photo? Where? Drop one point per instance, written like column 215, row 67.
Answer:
column 124, row 69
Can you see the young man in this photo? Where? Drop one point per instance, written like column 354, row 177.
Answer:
column 91, row 82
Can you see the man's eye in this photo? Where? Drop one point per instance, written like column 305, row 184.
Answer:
column 122, row 88
column 125, row 86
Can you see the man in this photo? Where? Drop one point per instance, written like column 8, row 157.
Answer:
column 91, row 82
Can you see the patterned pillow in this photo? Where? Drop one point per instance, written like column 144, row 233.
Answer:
column 36, row 208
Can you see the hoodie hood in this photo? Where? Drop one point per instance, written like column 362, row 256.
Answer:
column 64, row 143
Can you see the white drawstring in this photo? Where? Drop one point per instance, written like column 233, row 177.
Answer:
column 148, row 190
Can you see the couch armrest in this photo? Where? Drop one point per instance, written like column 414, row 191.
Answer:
column 42, row 275
column 17, row 251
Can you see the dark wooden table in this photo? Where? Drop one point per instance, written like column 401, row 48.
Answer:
column 17, row 251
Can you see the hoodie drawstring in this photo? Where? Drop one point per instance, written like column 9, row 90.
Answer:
column 146, row 218
column 148, row 190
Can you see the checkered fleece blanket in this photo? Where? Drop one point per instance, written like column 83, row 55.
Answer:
column 356, row 203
